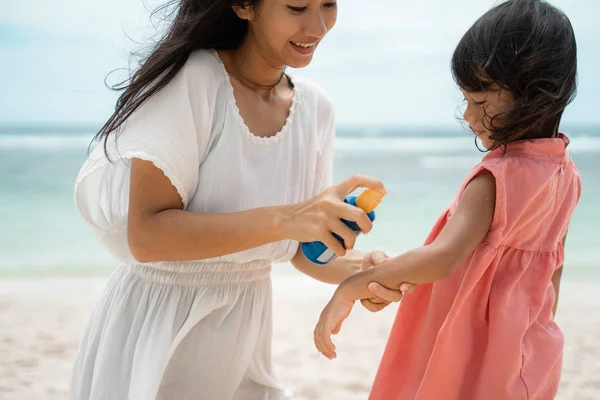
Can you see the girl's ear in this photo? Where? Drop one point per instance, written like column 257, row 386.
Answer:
column 245, row 11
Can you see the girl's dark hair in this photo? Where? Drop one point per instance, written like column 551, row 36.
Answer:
column 528, row 48
column 192, row 25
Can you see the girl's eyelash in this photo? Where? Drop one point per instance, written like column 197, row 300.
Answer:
column 477, row 103
column 331, row 5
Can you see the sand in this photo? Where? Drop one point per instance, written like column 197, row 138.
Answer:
column 42, row 319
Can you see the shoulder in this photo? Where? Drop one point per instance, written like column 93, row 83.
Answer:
column 202, row 71
column 205, row 63
column 487, row 174
column 480, row 189
column 198, row 89
column 478, row 200
column 482, row 185
column 315, row 96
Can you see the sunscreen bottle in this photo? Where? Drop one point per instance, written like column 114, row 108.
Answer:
column 317, row 252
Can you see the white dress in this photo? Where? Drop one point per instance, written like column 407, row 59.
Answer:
column 200, row 329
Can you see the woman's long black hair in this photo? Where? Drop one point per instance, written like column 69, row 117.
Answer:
column 193, row 25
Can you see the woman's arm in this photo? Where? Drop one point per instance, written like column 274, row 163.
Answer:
column 160, row 230
column 334, row 272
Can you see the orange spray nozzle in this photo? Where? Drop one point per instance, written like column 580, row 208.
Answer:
column 369, row 199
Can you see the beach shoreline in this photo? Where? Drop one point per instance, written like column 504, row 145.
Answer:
column 43, row 318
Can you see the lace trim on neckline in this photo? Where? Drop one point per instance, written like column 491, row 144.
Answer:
column 264, row 140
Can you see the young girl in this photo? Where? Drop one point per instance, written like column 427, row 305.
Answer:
column 480, row 325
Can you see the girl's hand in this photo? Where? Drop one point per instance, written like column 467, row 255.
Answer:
column 383, row 296
column 317, row 218
column 330, row 322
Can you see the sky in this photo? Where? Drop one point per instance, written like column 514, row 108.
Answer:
column 386, row 62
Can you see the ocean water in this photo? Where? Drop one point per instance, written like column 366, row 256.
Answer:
column 41, row 232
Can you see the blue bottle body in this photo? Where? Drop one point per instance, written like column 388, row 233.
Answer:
column 318, row 253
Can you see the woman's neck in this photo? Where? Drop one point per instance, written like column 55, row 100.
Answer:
column 254, row 69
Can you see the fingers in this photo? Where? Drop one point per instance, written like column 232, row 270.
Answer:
column 333, row 244
column 356, row 181
column 374, row 258
column 337, row 328
column 384, row 293
column 374, row 305
column 366, row 262
column 330, row 322
column 377, row 300
column 378, row 257
column 322, row 339
column 352, row 213
column 342, row 230
column 407, row 288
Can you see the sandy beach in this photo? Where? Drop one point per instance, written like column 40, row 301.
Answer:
column 41, row 320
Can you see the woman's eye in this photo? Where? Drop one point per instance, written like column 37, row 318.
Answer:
column 297, row 9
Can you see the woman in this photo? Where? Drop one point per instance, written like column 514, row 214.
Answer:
column 214, row 164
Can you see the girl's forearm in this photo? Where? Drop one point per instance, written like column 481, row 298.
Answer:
column 460, row 236
column 422, row 265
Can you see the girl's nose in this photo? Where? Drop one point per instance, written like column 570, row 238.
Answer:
column 470, row 115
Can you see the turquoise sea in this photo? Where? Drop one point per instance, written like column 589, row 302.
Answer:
column 41, row 232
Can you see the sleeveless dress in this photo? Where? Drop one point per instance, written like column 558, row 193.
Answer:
column 487, row 331
column 199, row 329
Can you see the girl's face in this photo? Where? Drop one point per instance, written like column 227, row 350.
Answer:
column 482, row 107
column 287, row 32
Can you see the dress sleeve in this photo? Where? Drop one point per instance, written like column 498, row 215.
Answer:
column 171, row 130
column 324, row 170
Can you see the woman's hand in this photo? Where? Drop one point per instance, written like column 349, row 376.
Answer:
column 317, row 218
column 382, row 296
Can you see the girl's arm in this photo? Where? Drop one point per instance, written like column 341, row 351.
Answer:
column 160, row 230
column 464, row 231
column 556, row 282
column 343, row 267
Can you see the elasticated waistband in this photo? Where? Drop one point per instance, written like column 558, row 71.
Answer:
column 202, row 272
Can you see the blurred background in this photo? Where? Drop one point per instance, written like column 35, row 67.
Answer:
column 386, row 66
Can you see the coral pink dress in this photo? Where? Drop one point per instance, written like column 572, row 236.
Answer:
column 487, row 332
